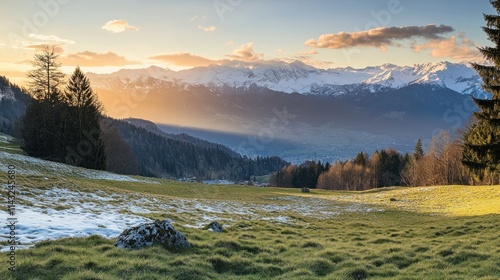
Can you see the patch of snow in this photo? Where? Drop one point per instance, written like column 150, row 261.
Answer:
column 33, row 166
column 58, row 212
column 279, row 219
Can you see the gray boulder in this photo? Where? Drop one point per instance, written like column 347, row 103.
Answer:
column 146, row 234
column 215, row 227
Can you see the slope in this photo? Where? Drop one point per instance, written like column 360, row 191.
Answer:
column 159, row 155
column 13, row 102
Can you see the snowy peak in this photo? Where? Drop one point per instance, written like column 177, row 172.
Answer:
column 302, row 78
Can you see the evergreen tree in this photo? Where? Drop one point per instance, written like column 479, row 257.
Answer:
column 481, row 150
column 82, row 124
column 419, row 150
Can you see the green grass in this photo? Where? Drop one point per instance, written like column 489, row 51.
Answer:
column 394, row 245
column 447, row 232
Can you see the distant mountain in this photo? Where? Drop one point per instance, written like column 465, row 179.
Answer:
column 297, row 77
column 296, row 111
column 152, row 127
column 133, row 149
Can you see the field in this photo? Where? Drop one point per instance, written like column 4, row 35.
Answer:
column 68, row 218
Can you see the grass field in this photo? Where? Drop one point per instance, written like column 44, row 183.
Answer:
column 439, row 232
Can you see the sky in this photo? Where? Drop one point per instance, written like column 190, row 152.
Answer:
column 105, row 36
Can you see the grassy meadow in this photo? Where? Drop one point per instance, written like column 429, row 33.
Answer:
column 438, row 232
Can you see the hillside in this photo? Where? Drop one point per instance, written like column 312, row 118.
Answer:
column 69, row 216
column 158, row 154
column 13, row 102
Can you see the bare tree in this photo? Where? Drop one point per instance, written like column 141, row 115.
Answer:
column 46, row 78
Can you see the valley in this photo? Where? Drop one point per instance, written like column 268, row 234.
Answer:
column 242, row 107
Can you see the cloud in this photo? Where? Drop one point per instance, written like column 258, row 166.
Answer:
column 208, row 28
column 198, row 18
column 378, row 37
column 246, row 53
column 118, row 25
column 40, row 42
column 312, row 51
column 87, row 58
column 243, row 53
column 456, row 47
column 185, row 59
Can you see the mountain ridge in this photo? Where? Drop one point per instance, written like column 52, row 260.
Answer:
column 297, row 77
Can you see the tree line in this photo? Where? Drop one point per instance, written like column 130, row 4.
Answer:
column 441, row 164
column 62, row 121
column 363, row 172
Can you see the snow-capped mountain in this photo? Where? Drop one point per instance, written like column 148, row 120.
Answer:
column 304, row 79
column 336, row 112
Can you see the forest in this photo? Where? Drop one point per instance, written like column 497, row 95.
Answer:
column 441, row 164
column 150, row 154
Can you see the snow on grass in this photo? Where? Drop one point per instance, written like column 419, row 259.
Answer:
column 5, row 138
column 55, row 212
column 34, row 166
column 60, row 212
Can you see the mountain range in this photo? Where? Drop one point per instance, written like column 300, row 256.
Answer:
column 297, row 77
column 294, row 110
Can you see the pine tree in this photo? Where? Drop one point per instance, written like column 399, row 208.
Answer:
column 481, row 151
column 82, row 124
column 419, row 151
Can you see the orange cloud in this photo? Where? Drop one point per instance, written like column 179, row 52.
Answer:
column 185, row 59
column 207, row 29
column 457, row 47
column 88, row 58
column 246, row 53
column 378, row 37
column 118, row 25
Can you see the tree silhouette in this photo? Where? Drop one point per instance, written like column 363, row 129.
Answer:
column 46, row 78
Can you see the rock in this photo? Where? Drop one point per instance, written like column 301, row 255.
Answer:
column 393, row 199
column 214, row 226
column 146, row 234
column 305, row 190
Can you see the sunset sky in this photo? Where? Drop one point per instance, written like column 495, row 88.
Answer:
column 104, row 36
